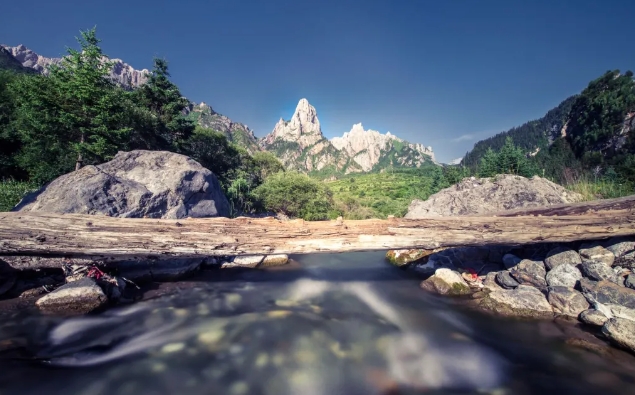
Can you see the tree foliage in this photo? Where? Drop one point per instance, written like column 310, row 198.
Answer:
column 296, row 195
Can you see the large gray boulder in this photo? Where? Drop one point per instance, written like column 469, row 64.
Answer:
column 135, row 184
column 488, row 195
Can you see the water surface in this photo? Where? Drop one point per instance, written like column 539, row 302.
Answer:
column 327, row 324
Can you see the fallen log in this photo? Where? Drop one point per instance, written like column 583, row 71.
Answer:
column 113, row 239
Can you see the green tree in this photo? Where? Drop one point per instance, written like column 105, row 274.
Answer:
column 74, row 112
column 9, row 142
column 509, row 160
column 296, row 195
column 164, row 125
column 266, row 164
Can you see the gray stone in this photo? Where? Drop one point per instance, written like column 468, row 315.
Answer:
column 599, row 271
column 490, row 281
column 510, row 260
column 562, row 255
column 490, row 195
column 567, row 301
column 530, row 273
column 505, row 280
column 596, row 254
column 620, row 246
column 630, row 281
column 152, row 184
column 524, row 301
column 8, row 277
column 446, row 282
column 620, row 332
column 593, row 317
column 607, row 292
column 246, row 261
column 78, row 297
column 563, row 276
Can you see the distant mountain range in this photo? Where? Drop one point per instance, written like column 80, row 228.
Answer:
column 298, row 143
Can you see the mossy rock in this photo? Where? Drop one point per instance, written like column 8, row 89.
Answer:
column 404, row 257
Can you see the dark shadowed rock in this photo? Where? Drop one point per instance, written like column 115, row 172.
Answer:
column 562, row 255
column 530, row 273
column 564, row 275
column 153, row 184
column 596, row 254
column 607, row 292
column 593, row 317
column 524, row 301
column 157, row 269
column 630, row 281
column 505, row 280
column 510, row 260
column 567, row 301
column 599, row 271
column 8, row 276
column 79, row 297
column 620, row 332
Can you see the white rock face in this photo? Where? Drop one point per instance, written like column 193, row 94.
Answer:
column 121, row 73
column 368, row 148
column 300, row 145
column 303, row 128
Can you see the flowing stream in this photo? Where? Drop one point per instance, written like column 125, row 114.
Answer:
column 326, row 324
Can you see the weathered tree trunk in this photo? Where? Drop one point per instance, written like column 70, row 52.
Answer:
column 113, row 239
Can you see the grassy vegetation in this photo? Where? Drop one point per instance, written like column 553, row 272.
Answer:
column 377, row 195
column 601, row 188
column 12, row 191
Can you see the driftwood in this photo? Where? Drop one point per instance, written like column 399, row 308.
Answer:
column 115, row 239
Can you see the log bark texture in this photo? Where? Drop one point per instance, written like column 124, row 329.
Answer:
column 113, row 239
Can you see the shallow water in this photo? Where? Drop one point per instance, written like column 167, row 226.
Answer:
column 329, row 324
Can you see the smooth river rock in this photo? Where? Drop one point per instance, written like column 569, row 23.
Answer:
column 567, row 301
column 78, row 297
column 607, row 292
column 530, row 272
column 562, row 255
column 593, row 317
column 505, row 280
column 620, row 332
column 564, row 276
column 524, row 301
column 446, row 282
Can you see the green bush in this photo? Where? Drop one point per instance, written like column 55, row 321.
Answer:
column 296, row 195
column 11, row 192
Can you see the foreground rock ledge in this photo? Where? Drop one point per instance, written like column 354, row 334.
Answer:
column 106, row 238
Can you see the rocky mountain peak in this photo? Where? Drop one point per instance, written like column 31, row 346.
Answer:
column 121, row 72
column 303, row 128
column 369, row 147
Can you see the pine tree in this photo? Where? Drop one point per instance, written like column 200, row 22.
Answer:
column 75, row 111
column 166, row 126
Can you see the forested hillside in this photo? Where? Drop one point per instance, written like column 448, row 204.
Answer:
column 534, row 134
column 587, row 140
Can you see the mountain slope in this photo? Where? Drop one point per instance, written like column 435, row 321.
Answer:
column 122, row 73
column 375, row 151
column 532, row 136
column 300, row 145
column 236, row 132
column 9, row 62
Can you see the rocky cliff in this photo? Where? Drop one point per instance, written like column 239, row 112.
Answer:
column 373, row 150
column 122, row 73
column 236, row 132
column 300, row 144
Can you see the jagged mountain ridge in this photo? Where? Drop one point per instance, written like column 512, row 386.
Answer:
column 121, row 73
column 300, row 145
column 373, row 150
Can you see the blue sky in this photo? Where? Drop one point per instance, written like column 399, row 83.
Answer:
column 443, row 73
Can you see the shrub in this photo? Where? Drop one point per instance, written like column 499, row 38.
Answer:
column 295, row 195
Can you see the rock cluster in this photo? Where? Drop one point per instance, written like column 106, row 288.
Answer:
column 587, row 282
